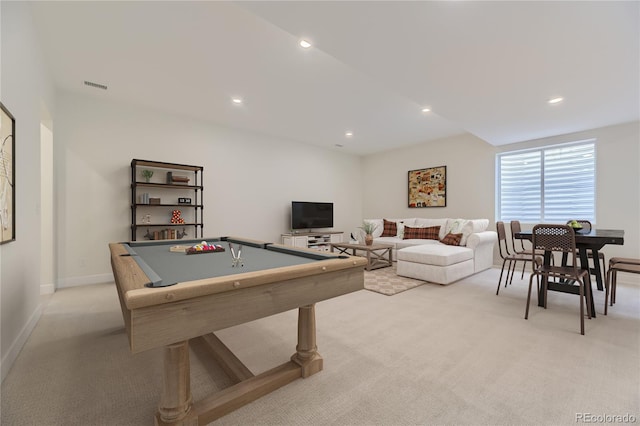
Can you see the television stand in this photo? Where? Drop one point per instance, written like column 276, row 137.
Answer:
column 314, row 240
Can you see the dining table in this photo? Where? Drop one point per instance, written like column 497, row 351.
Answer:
column 592, row 241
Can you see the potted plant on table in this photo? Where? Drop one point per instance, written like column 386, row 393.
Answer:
column 368, row 228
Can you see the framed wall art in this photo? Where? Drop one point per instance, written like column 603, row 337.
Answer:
column 7, row 176
column 428, row 187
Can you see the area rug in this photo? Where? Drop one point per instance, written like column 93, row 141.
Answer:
column 385, row 281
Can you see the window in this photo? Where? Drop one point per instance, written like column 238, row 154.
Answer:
column 551, row 184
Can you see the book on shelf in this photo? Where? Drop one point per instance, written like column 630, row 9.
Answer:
column 143, row 198
column 180, row 179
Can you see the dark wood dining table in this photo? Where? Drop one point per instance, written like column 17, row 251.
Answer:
column 585, row 241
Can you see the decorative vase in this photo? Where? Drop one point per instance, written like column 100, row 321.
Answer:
column 368, row 239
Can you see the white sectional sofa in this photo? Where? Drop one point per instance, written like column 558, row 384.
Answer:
column 431, row 259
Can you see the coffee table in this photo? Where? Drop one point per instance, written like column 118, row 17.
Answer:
column 378, row 255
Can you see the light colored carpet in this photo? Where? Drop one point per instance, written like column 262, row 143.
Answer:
column 445, row 355
column 386, row 281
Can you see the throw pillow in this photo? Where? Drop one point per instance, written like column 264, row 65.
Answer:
column 455, row 226
column 460, row 226
column 400, row 226
column 452, row 239
column 390, row 229
column 429, row 233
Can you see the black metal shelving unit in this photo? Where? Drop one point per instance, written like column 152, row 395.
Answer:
column 180, row 189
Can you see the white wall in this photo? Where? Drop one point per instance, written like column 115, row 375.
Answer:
column 249, row 179
column 471, row 180
column 25, row 88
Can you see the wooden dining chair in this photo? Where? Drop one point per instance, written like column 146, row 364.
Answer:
column 618, row 264
column 508, row 259
column 557, row 239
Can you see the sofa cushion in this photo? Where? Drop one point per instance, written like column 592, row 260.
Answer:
column 435, row 254
column 430, row 233
column 424, row 222
column 460, row 226
column 435, row 274
column 400, row 227
column 390, row 229
column 410, row 243
column 389, row 225
column 452, row 239
column 387, row 240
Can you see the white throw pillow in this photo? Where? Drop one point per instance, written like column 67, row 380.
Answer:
column 460, row 226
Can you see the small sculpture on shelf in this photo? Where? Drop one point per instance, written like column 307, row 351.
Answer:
column 148, row 235
column 180, row 235
column 176, row 217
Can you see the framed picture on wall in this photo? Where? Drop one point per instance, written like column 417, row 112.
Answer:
column 428, row 187
column 7, row 176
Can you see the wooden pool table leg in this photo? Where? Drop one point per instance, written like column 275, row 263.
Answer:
column 175, row 401
column 307, row 356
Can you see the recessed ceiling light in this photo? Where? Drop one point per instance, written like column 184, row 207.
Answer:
column 236, row 100
column 426, row 109
column 555, row 100
column 305, row 44
column 348, row 134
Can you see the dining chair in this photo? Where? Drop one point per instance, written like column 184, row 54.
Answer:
column 588, row 227
column 509, row 259
column 618, row 264
column 516, row 228
column 557, row 239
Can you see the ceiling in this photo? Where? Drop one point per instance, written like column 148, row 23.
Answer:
column 485, row 68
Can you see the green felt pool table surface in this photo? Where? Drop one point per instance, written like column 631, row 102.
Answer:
column 165, row 267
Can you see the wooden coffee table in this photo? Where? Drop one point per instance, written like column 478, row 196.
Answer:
column 378, row 255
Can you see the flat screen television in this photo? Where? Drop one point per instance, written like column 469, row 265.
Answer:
column 307, row 215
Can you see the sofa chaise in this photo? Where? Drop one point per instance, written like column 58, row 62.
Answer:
column 437, row 250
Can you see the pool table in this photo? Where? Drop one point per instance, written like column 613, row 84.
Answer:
column 169, row 297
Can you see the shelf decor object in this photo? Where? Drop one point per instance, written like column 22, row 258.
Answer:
column 428, row 187
column 151, row 197
column 147, row 174
column 7, row 176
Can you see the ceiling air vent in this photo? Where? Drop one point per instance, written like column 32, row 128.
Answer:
column 96, row 85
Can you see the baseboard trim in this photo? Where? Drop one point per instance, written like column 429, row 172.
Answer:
column 18, row 343
column 85, row 280
column 47, row 289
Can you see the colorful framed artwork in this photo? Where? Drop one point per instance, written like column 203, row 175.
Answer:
column 7, row 176
column 428, row 187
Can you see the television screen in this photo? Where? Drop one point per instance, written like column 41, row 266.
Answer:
column 307, row 215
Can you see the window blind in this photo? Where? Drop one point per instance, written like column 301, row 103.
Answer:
column 551, row 184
